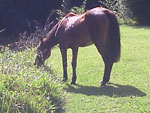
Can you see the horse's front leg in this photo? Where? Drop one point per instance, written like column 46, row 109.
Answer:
column 74, row 64
column 64, row 61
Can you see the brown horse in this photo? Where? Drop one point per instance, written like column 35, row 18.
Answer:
column 98, row 26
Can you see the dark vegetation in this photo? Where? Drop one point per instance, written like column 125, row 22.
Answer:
column 140, row 10
column 18, row 16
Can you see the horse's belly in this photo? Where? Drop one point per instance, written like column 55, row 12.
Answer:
column 84, row 43
column 79, row 37
column 87, row 44
column 81, row 41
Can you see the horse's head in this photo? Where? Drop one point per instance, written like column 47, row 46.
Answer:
column 42, row 53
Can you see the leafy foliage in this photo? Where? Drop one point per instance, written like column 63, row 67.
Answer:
column 118, row 7
column 140, row 10
column 24, row 88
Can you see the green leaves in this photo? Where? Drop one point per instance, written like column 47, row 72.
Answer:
column 23, row 87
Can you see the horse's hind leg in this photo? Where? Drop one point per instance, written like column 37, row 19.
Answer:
column 99, row 40
column 108, row 66
column 74, row 64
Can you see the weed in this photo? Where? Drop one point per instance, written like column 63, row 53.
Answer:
column 24, row 88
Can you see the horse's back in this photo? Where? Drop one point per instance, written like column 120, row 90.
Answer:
column 96, row 17
column 72, row 20
column 82, row 29
column 76, row 30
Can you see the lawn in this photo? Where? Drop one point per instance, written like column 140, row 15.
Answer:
column 129, row 88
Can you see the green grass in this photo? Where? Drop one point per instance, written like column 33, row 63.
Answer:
column 26, row 89
column 128, row 91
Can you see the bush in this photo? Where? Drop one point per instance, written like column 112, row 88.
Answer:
column 140, row 9
column 24, row 88
column 118, row 7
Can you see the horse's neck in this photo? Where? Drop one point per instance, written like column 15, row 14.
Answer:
column 51, row 41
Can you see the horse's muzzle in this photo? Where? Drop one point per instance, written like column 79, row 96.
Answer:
column 38, row 63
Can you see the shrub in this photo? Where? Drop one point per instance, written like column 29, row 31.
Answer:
column 140, row 9
column 24, row 88
column 118, row 7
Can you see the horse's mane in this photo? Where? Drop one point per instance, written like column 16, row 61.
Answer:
column 64, row 18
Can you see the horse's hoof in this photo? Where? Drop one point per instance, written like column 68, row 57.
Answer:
column 103, row 84
column 73, row 83
column 64, row 80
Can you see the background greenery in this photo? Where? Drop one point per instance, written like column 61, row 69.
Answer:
column 140, row 10
column 20, row 16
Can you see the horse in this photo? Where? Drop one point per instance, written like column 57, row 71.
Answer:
column 98, row 26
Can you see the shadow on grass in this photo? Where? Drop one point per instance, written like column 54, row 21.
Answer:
column 141, row 26
column 111, row 90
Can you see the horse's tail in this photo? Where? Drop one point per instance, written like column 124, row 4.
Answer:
column 114, row 45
